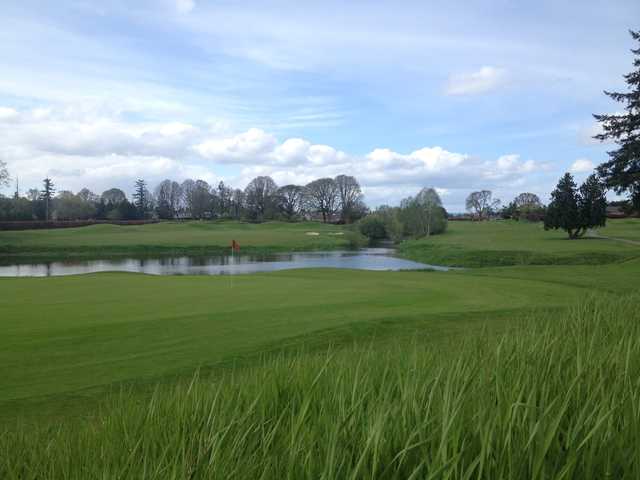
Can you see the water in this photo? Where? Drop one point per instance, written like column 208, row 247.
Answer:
column 365, row 259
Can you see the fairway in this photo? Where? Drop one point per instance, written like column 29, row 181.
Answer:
column 62, row 336
column 481, row 244
column 194, row 236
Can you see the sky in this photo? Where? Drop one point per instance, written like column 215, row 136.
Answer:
column 455, row 95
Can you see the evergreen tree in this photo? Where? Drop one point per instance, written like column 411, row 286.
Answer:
column 140, row 197
column 47, row 195
column 622, row 171
column 575, row 211
column 563, row 209
column 592, row 203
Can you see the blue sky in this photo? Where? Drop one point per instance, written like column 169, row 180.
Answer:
column 455, row 95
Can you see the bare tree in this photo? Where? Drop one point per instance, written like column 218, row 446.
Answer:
column 527, row 199
column 350, row 197
column 225, row 197
column 322, row 197
column 168, row 197
column 481, row 204
column 197, row 198
column 237, row 203
column 261, row 197
column 4, row 174
column 33, row 194
column 290, row 200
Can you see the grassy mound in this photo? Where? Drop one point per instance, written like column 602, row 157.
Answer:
column 555, row 397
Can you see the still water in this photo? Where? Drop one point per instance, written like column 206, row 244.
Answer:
column 365, row 259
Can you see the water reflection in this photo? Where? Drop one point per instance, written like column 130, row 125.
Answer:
column 365, row 259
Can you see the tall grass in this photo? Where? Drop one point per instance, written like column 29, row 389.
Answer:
column 553, row 398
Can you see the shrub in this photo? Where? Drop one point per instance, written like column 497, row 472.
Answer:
column 373, row 227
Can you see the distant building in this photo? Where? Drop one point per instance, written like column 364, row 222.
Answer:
column 616, row 212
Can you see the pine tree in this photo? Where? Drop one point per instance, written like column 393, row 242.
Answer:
column 140, row 197
column 592, row 203
column 622, row 171
column 576, row 211
column 47, row 195
column 563, row 209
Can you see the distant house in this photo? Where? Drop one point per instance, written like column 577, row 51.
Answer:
column 615, row 212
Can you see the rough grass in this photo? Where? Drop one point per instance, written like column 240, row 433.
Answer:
column 504, row 243
column 556, row 397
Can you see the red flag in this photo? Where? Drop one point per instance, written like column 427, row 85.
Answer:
column 235, row 246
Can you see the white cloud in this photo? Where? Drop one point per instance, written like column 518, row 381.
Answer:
column 102, row 150
column 251, row 146
column 185, row 6
column 582, row 165
column 7, row 114
column 484, row 80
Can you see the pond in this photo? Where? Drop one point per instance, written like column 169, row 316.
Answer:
column 364, row 259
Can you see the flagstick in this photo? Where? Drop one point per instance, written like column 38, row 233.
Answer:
column 230, row 267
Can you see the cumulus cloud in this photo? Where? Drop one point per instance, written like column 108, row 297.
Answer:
column 185, row 6
column 482, row 81
column 582, row 165
column 104, row 150
column 7, row 114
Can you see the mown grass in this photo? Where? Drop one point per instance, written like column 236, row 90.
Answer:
column 63, row 336
column 172, row 238
column 557, row 396
column 506, row 243
column 627, row 229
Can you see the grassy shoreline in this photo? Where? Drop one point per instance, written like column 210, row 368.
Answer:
column 14, row 254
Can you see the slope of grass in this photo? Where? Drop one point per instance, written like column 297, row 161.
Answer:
column 555, row 397
column 481, row 244
column 172, row 238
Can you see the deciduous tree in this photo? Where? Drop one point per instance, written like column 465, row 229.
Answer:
column 350, row 197
column 4, row 174
column 113, row 196
column 321, row 196
column 290, row 201
column 261, row 198
column 423, row 215
column 481, row 204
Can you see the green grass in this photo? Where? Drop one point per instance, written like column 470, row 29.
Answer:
column 555, row 400
column 204, row 237
column 627, row 229
column 67, row 334
column 556, row 396
column 481, row 244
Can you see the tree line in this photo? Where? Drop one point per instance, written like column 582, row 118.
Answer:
column 338, row 199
